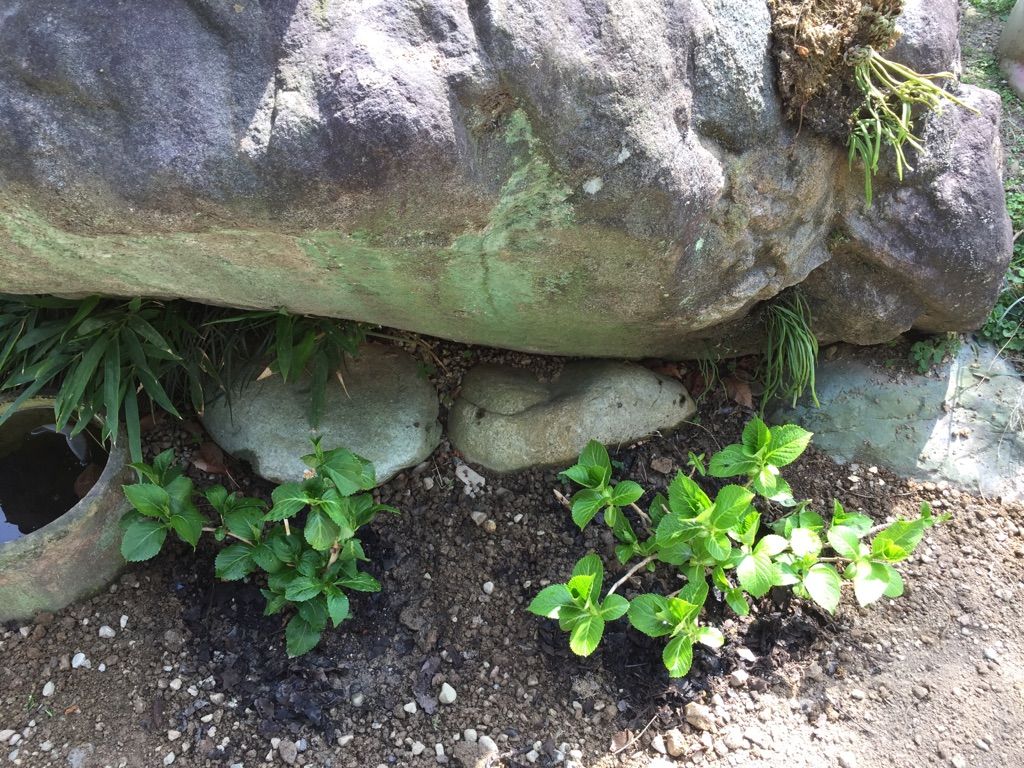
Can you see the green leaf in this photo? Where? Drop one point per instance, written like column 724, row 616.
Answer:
column 845, row 541
column 320, row 531
column 300, row 637
column 570, row 616
column 143, row 539
column 678, row 656
column 718, row 546
column 682, row 613
column 658, row 509
column 585, row 506
column 131, row 424
column 187, row 522
column 737, row 601
column 614, row 607
column 771, row 545
column 151, row 500
column 685, row 498
column 350, row 473
column 338, row 606
column 731, row 504
column 675, row 553
column 578, row 474
column 303, row 588
column 550, row 600
column 788, row 442
column 804, row 542
column 710, row 636
column 625, row 493
column 895, row 587
column 756, row 436
column 360, row 582
column 75, row 384
column 841, row 518
column 646, row 614
column 732, row 461
column 263, row 555
column 580, row 588
column 757, row 574
column 804, row 518
column 585, row 636
column 870, row 582
column 594, row 454
column 234, row 562
column 245, row 518
column 217, row 495
column 823, row 585
column 591, row 565
column 898, row 541
column 288, row 500
column 315, row 612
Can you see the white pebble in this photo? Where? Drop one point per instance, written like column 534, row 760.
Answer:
column 124, row 621
column 488, row 587
column 469, row 734
column 410, row 707
column 49, row 688
column 176, row 684
column 107, row 633
column 169, row 758
column 447, row 695
column 344, row 741
column 418, row 748
column 80, row 660
column 173, row 735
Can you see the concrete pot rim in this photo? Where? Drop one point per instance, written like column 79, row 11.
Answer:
column 117, row 458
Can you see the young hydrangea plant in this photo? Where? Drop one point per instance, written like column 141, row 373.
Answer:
column 723, row 540
column 308, row 569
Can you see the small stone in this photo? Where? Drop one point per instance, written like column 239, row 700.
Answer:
column 217, row 699
column 288, row 751
column 79, row 660
column 358, row 699
column 410, row 707
column 489, row 526
column 478, row 517
column 488, row 587
column 5, row 735
column 662, row 465
column 920, row 692
column 738, row 678
column 175, row 684
column 418, row 748
column 700, row 716
column 169, row 758
column 49, row 688
column 675, row 743
column 470, row 735
column 344, row 741
column 532, row 756
column 958, row 761
column 107, row 633
column 487, row 744
column 991, row 655
column 173, row 735
column 847, row 760
column 857, row 694
column 447, row 694
column 124, row 621
column 658, row 744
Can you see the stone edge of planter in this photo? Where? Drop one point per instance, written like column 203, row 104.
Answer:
column 76, row 555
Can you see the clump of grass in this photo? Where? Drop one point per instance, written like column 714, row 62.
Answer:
column 885, row 117
column 791, row 355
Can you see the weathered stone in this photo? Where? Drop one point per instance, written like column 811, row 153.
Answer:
column 960, row 424
column 386, row 412
column 72, row 557
column 616, row 183
column 505, row 419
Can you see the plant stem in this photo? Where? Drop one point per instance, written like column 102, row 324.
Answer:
column 229, row 533
column 631, row 572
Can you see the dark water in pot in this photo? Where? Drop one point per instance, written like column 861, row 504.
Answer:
column 43, row 473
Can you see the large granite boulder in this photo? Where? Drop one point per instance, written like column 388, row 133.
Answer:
column 591, row 179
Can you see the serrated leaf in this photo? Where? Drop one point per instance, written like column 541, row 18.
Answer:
column 732, row 461
column 646, row 614
column 823, row 585
column 550, row 600
column 591, row 565
column 855, row 522
column 315, row 612
column 678, row 656
column 288, row 500
column 771, row 545
column 148, row 499
column 263, row 555
column 718, row 546
column 360, row 582
column 788, row 442
column 737, row 601
column 143, row 538
column 187, row 522
column 614, row 607
column 234, row 562
column 845, row 541
column 731, row 505
column 686, row 499
column 578, row 474
column 898, row 541
column 320, row 531
column 710, row 636
column 805, row 542
column 338, row 607
column 756, row 435
column 586, row 635
column 870, row 582
column 625, row 493
column 303, row 588
column 585, row 506
column 895, row 586
column 757, row 574
column 300, row 637
column 595, row 454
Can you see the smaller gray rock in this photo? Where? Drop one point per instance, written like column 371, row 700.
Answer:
column 447, row 694
column 288, row 751
column 506, row 420
column 107, row 633
column 49, row 689
column 675, row 742
column 80, row 660
column 386, row 412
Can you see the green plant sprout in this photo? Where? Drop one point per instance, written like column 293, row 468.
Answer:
column 885, row 117
column 791, row 355
column 723, row 539
column 308, row 569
